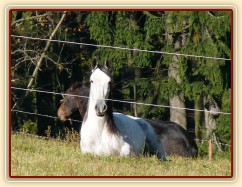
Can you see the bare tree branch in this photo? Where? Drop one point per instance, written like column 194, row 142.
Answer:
column 46, row 48
column 34, row 75
column 33, row 17
column 216, row 142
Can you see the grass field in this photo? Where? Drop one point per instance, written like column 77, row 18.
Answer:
column 31, row 156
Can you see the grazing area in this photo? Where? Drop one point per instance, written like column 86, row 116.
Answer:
column 32, row 156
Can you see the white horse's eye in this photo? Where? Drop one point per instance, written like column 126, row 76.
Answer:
column 91, row 81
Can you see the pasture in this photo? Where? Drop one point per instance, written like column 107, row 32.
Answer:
column 171, row 68
column 32, row 156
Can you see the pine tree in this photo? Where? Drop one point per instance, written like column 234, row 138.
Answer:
column 178, row 81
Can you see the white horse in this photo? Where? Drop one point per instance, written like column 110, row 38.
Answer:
column 106, row 133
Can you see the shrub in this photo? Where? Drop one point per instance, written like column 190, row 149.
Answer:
column 30, row 127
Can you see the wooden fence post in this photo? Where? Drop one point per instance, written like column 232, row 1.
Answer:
column 210, row 150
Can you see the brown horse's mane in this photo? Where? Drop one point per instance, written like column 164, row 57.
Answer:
column 81, row 90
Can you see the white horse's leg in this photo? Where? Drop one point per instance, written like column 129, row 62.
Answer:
column 152, row 138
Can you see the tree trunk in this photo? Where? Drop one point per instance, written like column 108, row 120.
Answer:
column 137, row 75
column 176, row 115
column 210, row 105
column 199, row 117
column 44, row 102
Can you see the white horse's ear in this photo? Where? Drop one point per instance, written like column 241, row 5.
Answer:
column 108, row 64
column 94, row 63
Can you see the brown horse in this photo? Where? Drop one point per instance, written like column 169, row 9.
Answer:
column 174, row 139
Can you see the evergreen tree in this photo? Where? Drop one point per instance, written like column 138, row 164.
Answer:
column 178, row 81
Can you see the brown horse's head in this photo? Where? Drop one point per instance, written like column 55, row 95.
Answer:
column 71, row 103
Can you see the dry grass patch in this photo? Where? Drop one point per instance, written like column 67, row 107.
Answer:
column 39, row 157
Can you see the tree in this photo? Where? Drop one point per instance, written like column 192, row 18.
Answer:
column 45, row 61
column 165, row 79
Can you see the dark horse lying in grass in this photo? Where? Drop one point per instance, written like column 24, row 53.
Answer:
column 174, row 139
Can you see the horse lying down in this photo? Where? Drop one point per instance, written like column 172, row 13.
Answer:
column 174, row 139
column 104, row 132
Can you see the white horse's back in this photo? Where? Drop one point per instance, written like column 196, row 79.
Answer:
column 130, row 132
column 152, row 138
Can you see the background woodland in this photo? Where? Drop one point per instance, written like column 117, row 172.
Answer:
column 163, row 79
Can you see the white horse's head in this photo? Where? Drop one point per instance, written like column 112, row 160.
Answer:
column 100, row 87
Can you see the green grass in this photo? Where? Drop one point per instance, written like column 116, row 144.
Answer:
column 31, row 156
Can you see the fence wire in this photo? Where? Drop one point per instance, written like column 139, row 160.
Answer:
column 115, row 100
column 43, row 115
column 122, row 101
column 122, row 48
column 53, row 117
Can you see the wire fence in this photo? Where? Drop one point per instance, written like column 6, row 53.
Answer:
column 115, row 100
column 55, row 117
column 43, row 115
column 121, row 48
column 123, row 101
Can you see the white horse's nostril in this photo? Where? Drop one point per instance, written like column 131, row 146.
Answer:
column 100, row 108
column 105, row 108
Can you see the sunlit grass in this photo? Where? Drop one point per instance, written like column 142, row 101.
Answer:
column 40, row 157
